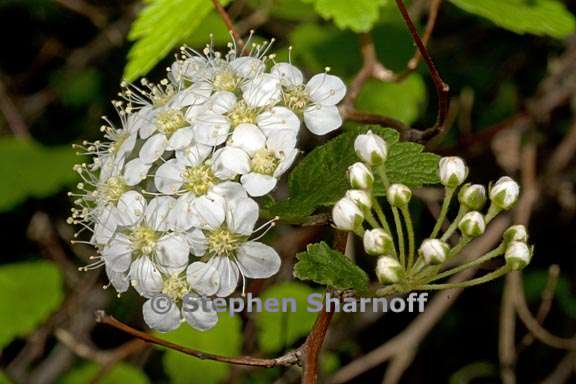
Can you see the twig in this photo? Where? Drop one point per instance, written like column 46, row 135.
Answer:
column 13, row 117
column 87, row 10
column 313, row 345
column 563, row 371
column 506, row 348
column 564, row 152
column 229, row 24
column 442, row 88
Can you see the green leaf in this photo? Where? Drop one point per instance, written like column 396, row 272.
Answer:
column 320, row 178
column 403, row 101
column 29, row 293
column 357, row 15
column 538, row 17
column 280, row 329
column 160, row 27
column 77, row 87
column 120, row 373
column 32, row 170
column 225, row 338
column 326, row 266
column 4, row 379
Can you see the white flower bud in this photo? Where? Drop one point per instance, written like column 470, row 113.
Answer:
column 472, row 224
column 434, row 251
column 452, row 171
column 377, row 242
column 516, row 233
column 472, row 196
column 388, row 270
column 504, row 193
column 360, row 176
column 346, row 215
column 361, row 198
column 371, row 148
column 398, row 195
column 518, row 255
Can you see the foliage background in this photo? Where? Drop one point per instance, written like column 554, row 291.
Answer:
column 61, row 63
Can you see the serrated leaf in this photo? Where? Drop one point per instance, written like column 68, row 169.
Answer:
column 320, row 178
column 538, row 17
column 120, row 373
column 29, row 293
column 225, row 338
column 357, row 15
column 403, row 101
column 160, row 27
column 32, row 170
column 278, row 330
column 326, row 266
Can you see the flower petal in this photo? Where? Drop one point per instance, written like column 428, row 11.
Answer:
column 257, row 184
column 193, row 154
column 228, row 272
column 180, row 139
column 153, row 148
column 118, row 253
column 203, row 278
column 257, row 260
column 241, row 216
column 248, row 137
column 263, row 90
column 135, row 171
column 168, row 177
column 195, row 94
column 286, row 163
column 172, row 253
column 145, row 277
column 131, row 208
column 278, row 118
column 211, row 129
column 232, row 161
column 221, row 102
column 210, row 211
column 203, row 317
column 183, row 217
column 326, row 89
column 321, row 119
column 247, row 66
column 160, row 318
column 157, row 212
column 229, row 190
column 282, row 142
column 119, row 280
column 288, row 74
column 197, row 242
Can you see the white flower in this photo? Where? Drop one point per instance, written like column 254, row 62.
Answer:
column 504, row 193
column 377, row 242
column 260, row 160
column 360, row 176
column 452, row 171
column 316, row 100
column 472, row 196
column 361, row 198
column 398, row 195
column 518, row 255
column 223, row 240
column 346, row 215
column 472, row 224
column 371, row 148
column 434, row 251
column 388, row 270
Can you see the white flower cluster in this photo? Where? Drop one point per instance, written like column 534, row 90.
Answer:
column 168, row 194
column 413, row 266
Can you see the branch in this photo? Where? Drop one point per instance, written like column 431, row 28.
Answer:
column 12, row 115
column 229, row 24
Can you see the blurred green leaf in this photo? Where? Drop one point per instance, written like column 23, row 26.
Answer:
column 4, row 379
column 403, row 101
column 32, row 170
column 320, row 178
column 161, row 26
column 121, row 373
column 566, row 298
column 77, row 88
column 357, row 15
column 225, row 338
column 538, row 17
column 213, row 26
column 29, row 293
column 326, row 266
column 295, row 10
column 280, row 329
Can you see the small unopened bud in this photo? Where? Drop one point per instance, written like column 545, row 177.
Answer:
column 434, row 251
column 516, row 233
column 360, row 176
column 346, row 215
column 472, row 196
column 398, row 195
column 518, row 255
column 361, row 198
column 452, row 171
column 472, row 224
column 388, row 270
column 377, row 242
column 504, row 194
column 371, row 148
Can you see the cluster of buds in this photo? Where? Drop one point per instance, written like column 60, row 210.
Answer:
column 402, row 265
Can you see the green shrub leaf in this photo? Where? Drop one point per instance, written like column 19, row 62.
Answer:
column 121, row 373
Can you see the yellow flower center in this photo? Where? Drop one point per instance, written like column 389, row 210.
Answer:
column 113, row 189
column 222, row 242
column 175, row 287
column 225, row 81
column 118, row 141
column 143, row 240
column 169, row 121
column 264, row 162
column 199, row 179
column 242, row 113
column 296, row 98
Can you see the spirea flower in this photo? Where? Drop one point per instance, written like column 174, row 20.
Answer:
column 167, row 193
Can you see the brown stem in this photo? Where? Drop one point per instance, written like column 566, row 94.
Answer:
column 442, row 88
column 229, row 24
column 313, row 345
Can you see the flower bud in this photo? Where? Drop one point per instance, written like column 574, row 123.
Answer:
column 452, row 171
column 377, row 242
column 434, row 251
column 504, row 193
column 346, row 215
column 518, row 255
column 361, row 198
column 516, row 233
column 472, row 224
column 472, row 196
column 360, row 176
column 388, row 270
column 398, row 195
column 371, row 148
